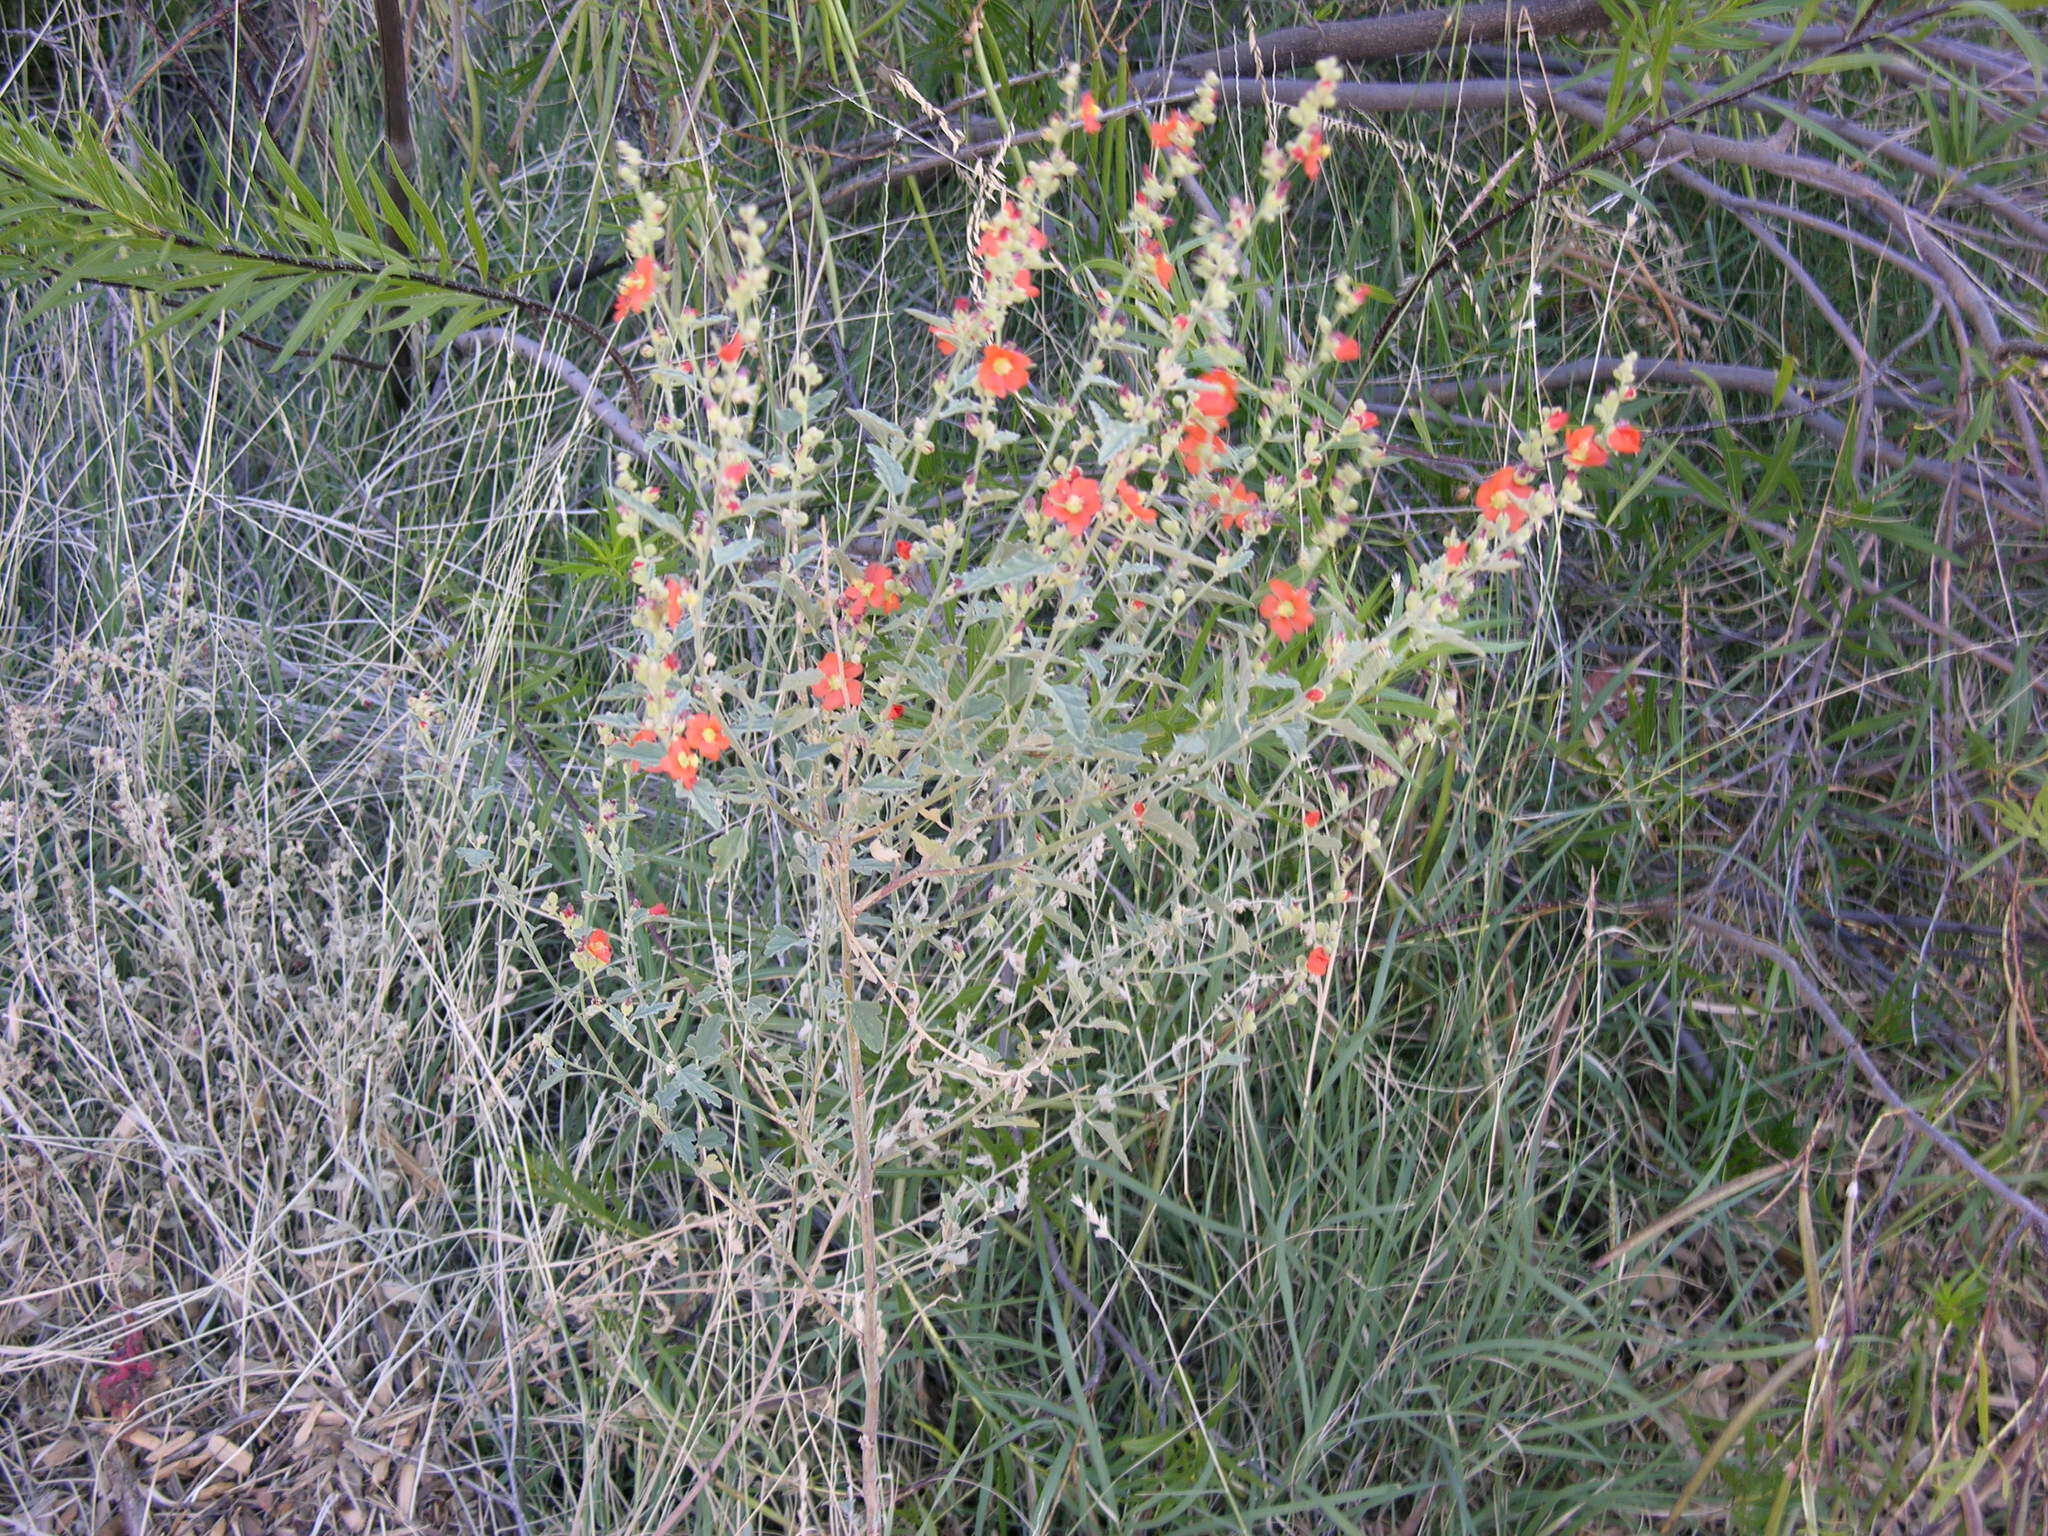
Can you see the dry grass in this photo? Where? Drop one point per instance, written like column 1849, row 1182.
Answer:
column 245, row 1051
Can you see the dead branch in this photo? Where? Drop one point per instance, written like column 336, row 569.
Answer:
column 579, row 383
column 1390, row 36
column 1814, row 998
column 1865, row 192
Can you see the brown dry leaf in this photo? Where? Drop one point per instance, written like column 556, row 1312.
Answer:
column 408, row 1488
column 308, row 1422
column 174, row 1445
column 59, row 1452
column 2020, row 1357
column 231, row 1456
column 1705, row 1397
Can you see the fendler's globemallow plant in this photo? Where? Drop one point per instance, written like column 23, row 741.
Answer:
column 967, row 792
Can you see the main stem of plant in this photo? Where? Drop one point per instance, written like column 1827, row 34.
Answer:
column 395, row 69
column 838, row 857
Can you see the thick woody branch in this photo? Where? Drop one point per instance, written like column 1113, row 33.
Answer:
column 1389, row 37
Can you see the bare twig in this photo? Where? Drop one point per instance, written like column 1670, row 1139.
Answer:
column 2029, row 1212
column 1098, row 1320
column 1455, row 249
column 566, row 373
column 1860, row 191
column 1967, row 58
column 1664, row 140
column 1953, row 182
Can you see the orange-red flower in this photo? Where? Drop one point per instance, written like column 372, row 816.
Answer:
column 1624, row 437
column 1217, row 396
column 1310, row 153
column 1003, row 371
column 1287, row 610
column 680, row 763
column 1363, row 420
column 1344, row 348
column 1072, row 501
column 733, row 348
column 598, row 945
column 636, row 289
column 705, row 736
column 672, row 615
column 1127, row 493
column 1500, row 497
column 1315, row 695
column 659, row 909
column 1582, row 448
column 1091, row 114
column 1174, row 131
column 1311, row 819
column 1454, row 554
column 1237, row 502
column 875, row 590
column 1556, row 421
column 1137, row 810
column 942, row 333
column 1162, row 268
column 1199, row 447
column 838, row 685
column 1318, row 961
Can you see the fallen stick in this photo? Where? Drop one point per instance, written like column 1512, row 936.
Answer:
column 1814, row 998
